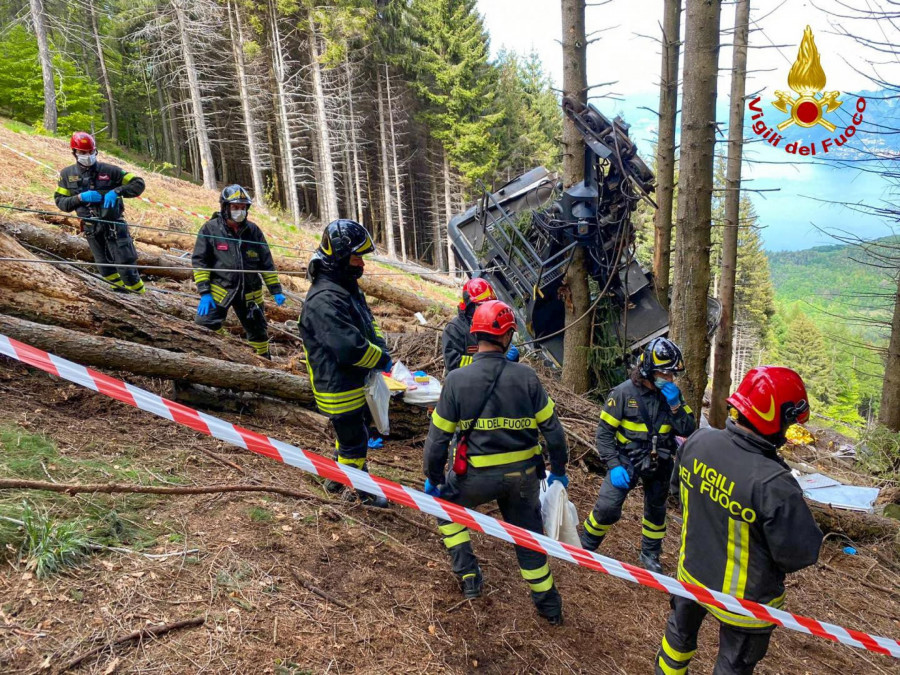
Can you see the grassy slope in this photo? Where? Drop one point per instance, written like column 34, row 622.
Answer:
column 27, row 184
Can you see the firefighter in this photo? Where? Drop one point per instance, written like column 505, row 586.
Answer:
column 503, row 406
column 225, row 245
column 636, row 439
column 745, row 524
column 94, row 190
column 458, row 342
column 342, row 342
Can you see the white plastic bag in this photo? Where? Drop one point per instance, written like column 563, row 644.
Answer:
column 425, row 394
column 559, row 514
column 378, row 396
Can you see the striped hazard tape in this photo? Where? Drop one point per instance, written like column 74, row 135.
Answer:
column 326, row 468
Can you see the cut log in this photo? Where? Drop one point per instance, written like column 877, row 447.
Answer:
column 858, row 526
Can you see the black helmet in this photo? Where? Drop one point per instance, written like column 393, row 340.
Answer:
column 341, row 239
column 660, row 354
column 233, row 194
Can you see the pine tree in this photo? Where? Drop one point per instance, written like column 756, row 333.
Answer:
column 803, row 349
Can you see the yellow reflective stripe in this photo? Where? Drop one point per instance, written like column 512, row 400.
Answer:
column 653, row 534
column 260, row 347
column 63, row 191
column 377, row 329
column 622, row 439
column 338, row 408
column 652, row 526
column 442, row 424
column 674, row 654
column 201, row 275
column 451, row 529
column 457, row 539
column 542, row 586
column 341, row 396
column 222, row 331
column 358, row 462
column 546, row 412
column 687, row 409
column 595, row 528
column 609, row 419
column 494, row 423
column 127, row 178
column 540, row 572
column 634, row 426
column 465, row 361
column 370, row 358
column 135, row 287
column 730, row 617
column 218, row 292
column 684, row 524
column 254, row 296
column 665, row 428
column 669, row 670
column 738, row 558
column 270, row 278
column 500, row 458
column 112, row 277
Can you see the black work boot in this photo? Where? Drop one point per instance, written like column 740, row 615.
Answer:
column 588, row 541
column 555, row 620
column 369, row 499
column 650, row 561
column 332, row 486
column 472, row 584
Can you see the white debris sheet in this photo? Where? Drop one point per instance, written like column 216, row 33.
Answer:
column 826, row 490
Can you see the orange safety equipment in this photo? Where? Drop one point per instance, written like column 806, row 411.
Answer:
column 83, row 141
column 494, row 318
column 476, row 291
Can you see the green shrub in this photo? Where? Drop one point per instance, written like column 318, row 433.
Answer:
column 879, row 452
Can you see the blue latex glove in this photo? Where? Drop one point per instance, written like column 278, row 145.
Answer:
column 376, row 443
column 513, row 353
column 91, row 197
column 279, row 299
column 110, row 199
column 432, row 489
column 206, row 304
column 553, row 478
column 619, row 477
column 672, row 393
column 389, row 365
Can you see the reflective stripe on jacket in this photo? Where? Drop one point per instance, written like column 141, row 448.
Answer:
column 745, row 523
column 220, row 248
column 102, row 177
column 342, row 343
column 622, row 430
column 507, row 430
column 459, row 345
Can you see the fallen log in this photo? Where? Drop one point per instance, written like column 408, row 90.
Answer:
column 140, row 359
column 856, row 525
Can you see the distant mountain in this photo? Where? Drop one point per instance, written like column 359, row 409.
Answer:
column 835, row 280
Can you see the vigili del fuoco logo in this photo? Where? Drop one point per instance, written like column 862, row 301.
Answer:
column 811, row 107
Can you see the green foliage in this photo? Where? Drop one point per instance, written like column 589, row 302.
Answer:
column 47, row 545
column 879, row 452
column 260, row 515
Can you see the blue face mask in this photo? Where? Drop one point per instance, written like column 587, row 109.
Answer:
column 660, row 382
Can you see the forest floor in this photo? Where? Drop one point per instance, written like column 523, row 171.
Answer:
column 318, row 583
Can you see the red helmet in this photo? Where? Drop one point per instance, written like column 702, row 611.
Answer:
column 772, row 398
column 493, row 317
column 476, row 290
column 81, row 140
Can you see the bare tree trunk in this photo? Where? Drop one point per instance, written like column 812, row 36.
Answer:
column 665, row 149
column 40, row 31
column 412, row 215
column 237, row 46
column 721, row 367
column 889, row 414
column 104, row 75
column 691, row 283
column 385, row 173
column 390, row 114
column 290, row 178
column 437, row 251
column 326, row 179
column 357, row 184
column 448, row 208
column 169, row 151
column 206, row 158
column 575, row 290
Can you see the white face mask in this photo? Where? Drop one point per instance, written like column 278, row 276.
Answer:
column 239, row 216
column 86, row 160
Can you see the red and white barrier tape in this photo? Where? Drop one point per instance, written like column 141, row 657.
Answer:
column 326, row 468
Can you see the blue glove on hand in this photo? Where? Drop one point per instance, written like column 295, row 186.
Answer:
column 672, row 393
column 553, row 478
column 91, row 197
column 513, row 353
column 389, row 365
column 619, row 477
column 110, row 199
column 376, row 443
column 279, row 299
column 432, row 489
column 206, row 304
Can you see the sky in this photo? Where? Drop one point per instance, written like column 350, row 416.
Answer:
column 789, row 192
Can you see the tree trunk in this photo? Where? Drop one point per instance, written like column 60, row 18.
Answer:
column 169, row 150
column 173, row 133
column 448, row 209
column 104, row 75
column 691, row 283
column 437, row 251
column 237, row 47
column 889, row 414
column 326, row 179
column 90, row 350
column 575, row 290
column 40, row 31
column 206, row 158
column 390, row 115
column 290, row 178
column 385, row 173
column 354, row 149
column 721, row 368
column 665, row 149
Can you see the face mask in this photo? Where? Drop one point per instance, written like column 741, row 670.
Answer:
column 239, row 216
column 86, row 160
column 660, row 382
